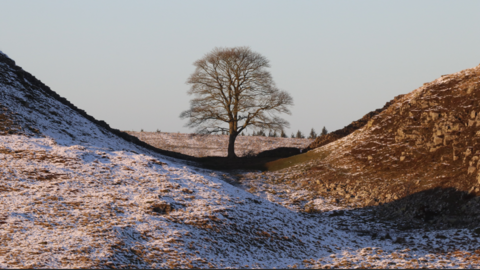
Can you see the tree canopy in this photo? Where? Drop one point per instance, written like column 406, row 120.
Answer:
column 233, row 91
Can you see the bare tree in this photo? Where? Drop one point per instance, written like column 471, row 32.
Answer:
column 233, row 91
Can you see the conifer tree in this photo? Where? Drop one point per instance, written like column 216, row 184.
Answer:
column 313, row 134
column 283, row 135
column 324, row 131
column 300, row 135
column 293, row 135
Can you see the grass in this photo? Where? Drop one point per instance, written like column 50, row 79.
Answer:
column 216, row 145
column 295, row 160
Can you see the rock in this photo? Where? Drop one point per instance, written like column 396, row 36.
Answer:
column 434, row 116
column 468, row 152
column 437, row 140
column 471, row 169
column 470, row 89
column 402, row 158
column 370, row 157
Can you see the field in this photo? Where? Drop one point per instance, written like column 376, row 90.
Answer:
column 198, row 145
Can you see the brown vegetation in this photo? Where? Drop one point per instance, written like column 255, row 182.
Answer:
column 327, row 138
column 423, row 147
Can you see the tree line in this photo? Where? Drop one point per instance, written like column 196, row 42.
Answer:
column 273, row 133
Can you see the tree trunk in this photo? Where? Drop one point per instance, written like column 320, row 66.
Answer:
column 231, row 145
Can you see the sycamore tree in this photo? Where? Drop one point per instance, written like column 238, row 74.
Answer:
column 233, row 90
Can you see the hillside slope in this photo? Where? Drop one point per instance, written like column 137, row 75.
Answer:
column 419, row 158
column 349, row 129
column 35, row 104
column 73, row 194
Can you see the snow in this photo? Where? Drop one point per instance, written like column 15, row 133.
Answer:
column 74, row 195
column 90, row 210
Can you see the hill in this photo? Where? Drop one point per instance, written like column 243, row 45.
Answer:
column 349, row 129
column 75, row 193
column 418, row 158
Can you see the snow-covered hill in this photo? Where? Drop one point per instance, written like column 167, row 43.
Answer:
column 73, row 193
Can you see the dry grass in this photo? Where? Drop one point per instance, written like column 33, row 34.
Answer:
column 215, row 145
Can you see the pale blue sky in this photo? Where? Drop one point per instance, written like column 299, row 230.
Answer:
column 126, row 62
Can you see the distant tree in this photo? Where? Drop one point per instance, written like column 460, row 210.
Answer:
column 158, row 131
column 141, row 130
column 324, row 131
column 313, row 134
column 293, row 135
column 272, row 133
column 232, row 87
column 283, row 135
column 300, row 135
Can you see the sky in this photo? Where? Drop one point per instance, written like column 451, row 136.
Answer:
column 127, row 62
